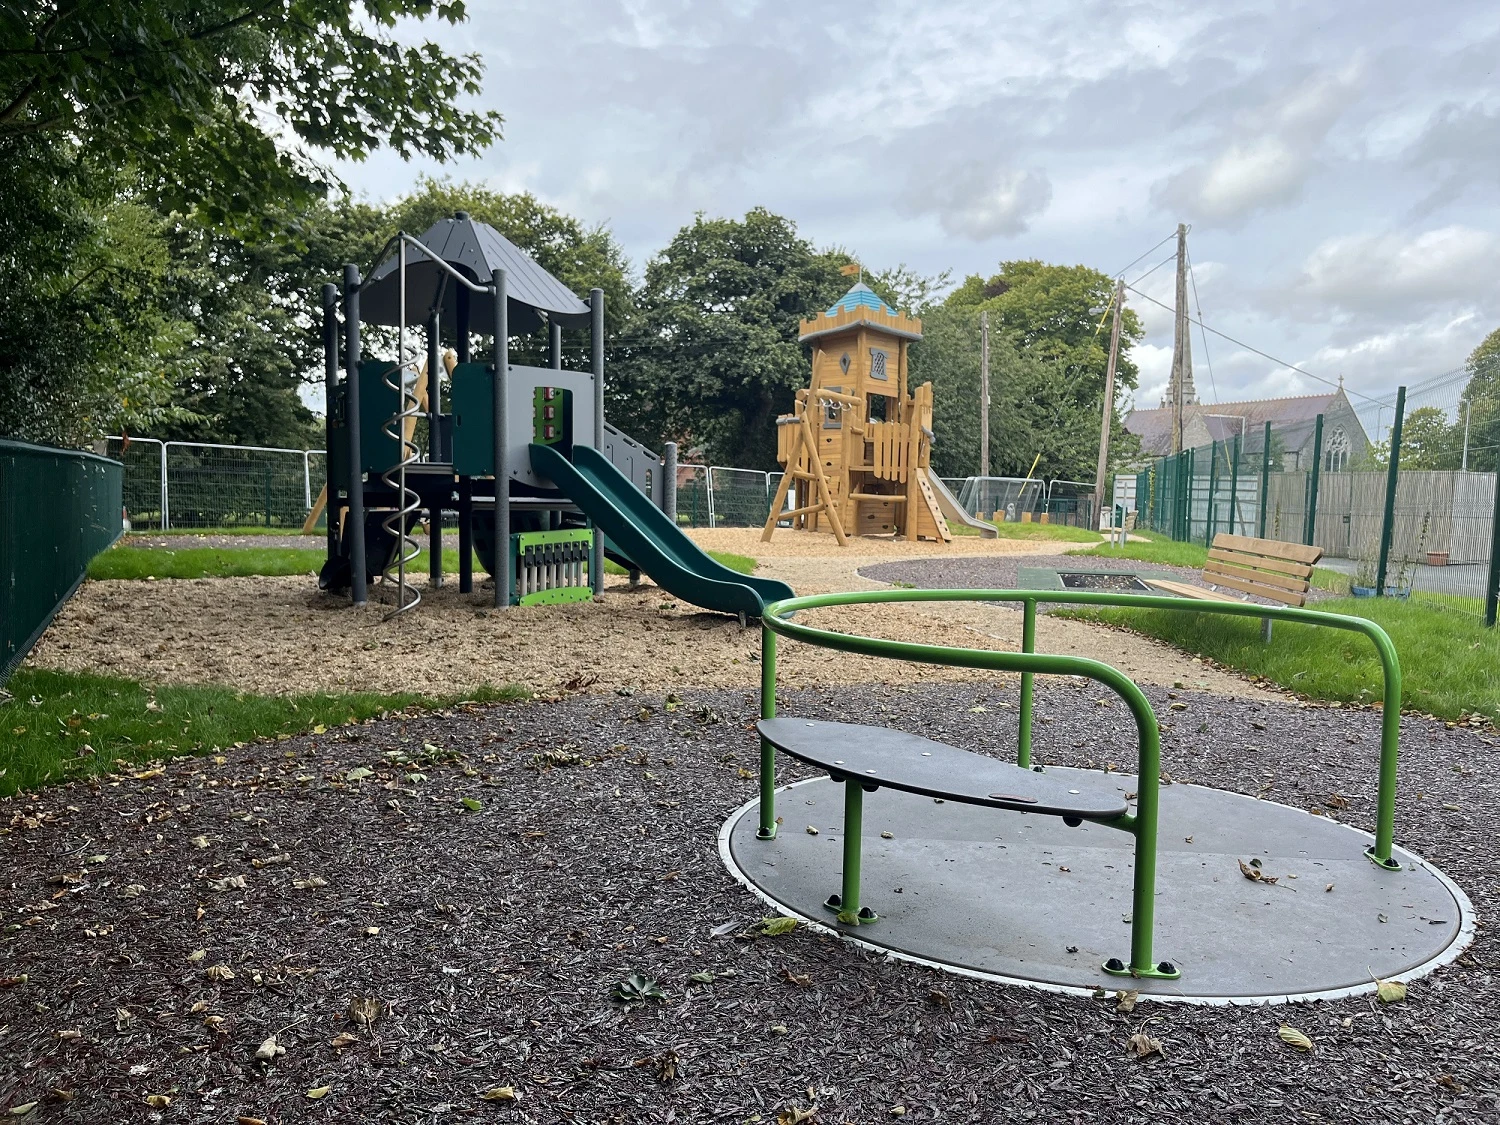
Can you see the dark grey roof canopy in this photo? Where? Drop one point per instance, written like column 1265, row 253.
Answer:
column 476, row 250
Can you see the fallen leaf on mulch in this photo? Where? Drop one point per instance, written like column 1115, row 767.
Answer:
column 269, row 1049
column 158, row 1101
column 1127, row 1000
column 799, row 979
column 1295, row 1038
column 771, row 927
column 319, row 1092
column 1144, row 1045
column 1390, row 991
column 219, row 972
column 365, row 1010
column 471, row 804
column 343, row 1039
column 310, row 883
column 795, row 1115
column 228, row 883
column 501, row 1094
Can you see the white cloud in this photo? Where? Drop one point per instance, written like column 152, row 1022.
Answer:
column 978, row 202
column 1394, row 271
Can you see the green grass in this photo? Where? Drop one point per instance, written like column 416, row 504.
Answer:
column 256, row 529
column 1450, row 663
column 64, row 725
column 1036, row 531
column 122, row 562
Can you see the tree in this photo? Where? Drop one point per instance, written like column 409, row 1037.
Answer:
column 712, row 357
column 1428, row 441
column 1481, row 398
column 1056, row 313
column 1035, row 411
column 181, row 89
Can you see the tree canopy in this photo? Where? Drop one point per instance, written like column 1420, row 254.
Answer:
column 712, row 356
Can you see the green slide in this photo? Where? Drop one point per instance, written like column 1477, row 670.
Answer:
column 644, row 532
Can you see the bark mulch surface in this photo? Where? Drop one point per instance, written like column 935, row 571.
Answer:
column 1000, row 573
column 424, row 909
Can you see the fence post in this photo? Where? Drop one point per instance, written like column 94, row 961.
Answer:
column 708, row 484
column 1309, row 530
column 1192, row 475
column 165, row 523
column 1492, row 591
column 1265, row 479
column 1213, row 484
column 1391, row 475
column 1234, row 483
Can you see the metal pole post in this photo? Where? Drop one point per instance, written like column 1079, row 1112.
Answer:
column 1265, row 479
column 435, row 451
column 596, row 348
column 1109, row 402
column 498, row 420
column 1234, row 483
column 984, row 393
column 669, row 480
column 462, row 318
column 355, row 526
column 1213, row 484
column 164, row 514
column 1392, row 475
column 1192, row 476
column 1311, row 530
column 767, row 828
column 1028, row 644
column 330, row 297
column 854, row 831
column 1492, row 590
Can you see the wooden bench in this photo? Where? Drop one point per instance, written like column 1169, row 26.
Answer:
column 867, row 758
column 1266, row 568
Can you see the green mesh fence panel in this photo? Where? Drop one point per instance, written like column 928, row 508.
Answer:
column 58, row 509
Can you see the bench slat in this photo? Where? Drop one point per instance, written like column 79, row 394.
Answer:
column 1258, row 577
column 897, row 760
column 1187, row 590
column 1271, row 548
column 1285, row 596
column 1260, row 562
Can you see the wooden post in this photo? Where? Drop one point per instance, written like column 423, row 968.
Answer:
column 1109, row 402
column 1182, row 361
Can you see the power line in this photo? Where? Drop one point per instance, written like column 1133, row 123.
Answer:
column 1257, row 351
column 1193, row 278
column 1163, row 242
column 1169, row 258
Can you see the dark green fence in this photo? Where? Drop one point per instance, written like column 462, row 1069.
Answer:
column 58, row 509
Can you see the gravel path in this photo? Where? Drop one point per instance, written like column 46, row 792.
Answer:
column 490, row 936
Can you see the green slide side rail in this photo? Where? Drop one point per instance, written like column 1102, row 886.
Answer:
column 649, row 537
column 1143, row 824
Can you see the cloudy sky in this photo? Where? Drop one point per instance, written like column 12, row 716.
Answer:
column 1338, row 163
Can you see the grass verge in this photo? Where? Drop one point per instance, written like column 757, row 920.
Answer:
column 126, row 563
column 1450, row 663
column 63, row 725
column 1035, row 531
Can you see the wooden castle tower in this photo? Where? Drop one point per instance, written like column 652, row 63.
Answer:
column 857, row 445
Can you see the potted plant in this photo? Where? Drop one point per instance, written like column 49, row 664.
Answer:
column 1363, row 585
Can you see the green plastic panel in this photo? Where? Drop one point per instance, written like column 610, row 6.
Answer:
column 473, row 401
column 378, row 451
column 574, row 543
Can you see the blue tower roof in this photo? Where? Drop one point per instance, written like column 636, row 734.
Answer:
column 860, row 297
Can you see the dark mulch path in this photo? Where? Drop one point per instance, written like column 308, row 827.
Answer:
column 999, row 572
column 494, row 936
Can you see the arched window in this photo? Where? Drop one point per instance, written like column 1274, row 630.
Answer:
column 1336, row 451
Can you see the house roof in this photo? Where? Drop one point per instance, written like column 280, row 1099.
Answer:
column 1224, row 420
column 476, row 250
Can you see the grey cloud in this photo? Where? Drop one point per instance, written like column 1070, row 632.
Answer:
column 979, row 201
column 1462, row 145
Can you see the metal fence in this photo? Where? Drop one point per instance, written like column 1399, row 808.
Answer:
column 1410, row 511
column 58, row 509
column 186, row 484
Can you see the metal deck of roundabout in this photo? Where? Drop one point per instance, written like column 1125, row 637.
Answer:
column 1026, row 899
column 1080, row 880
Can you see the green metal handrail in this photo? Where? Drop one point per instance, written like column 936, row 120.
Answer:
column 776, row 620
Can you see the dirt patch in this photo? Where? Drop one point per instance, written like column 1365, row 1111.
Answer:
column 492, row 936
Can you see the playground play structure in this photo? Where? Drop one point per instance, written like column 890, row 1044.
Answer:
column 857, row 448
column 544, row 489
column 1253, row 901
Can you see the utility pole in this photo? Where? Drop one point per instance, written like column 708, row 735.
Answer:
column 984, row 392
column 1109, row 399
column 1182, row 351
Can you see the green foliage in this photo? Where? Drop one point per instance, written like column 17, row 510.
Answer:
column 712, row 356
column 1037, row 404
column 1482, row 398
column 63, row 725
column 180, row 90
column 1429, row 441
